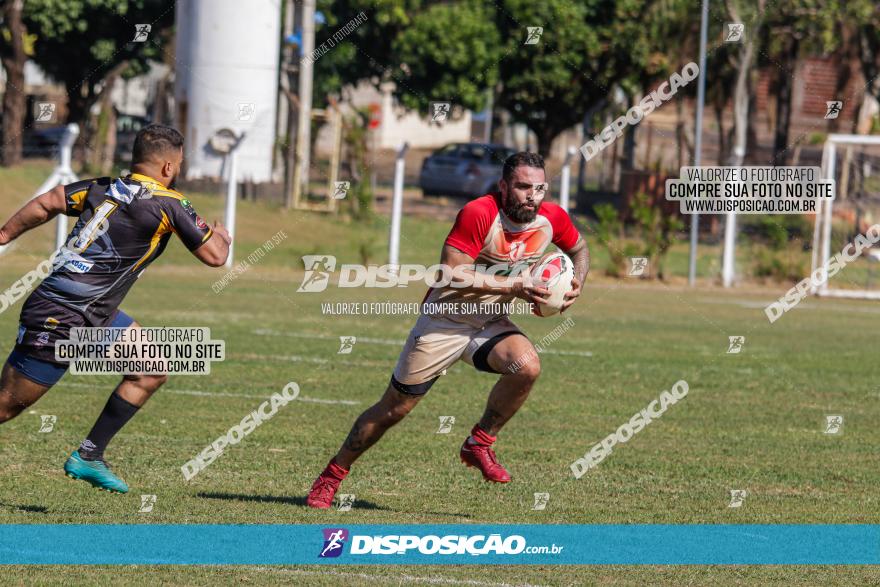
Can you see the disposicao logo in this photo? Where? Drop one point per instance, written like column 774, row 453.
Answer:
column 334, row 540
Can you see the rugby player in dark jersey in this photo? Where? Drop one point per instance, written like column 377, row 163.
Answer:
column 123, row 225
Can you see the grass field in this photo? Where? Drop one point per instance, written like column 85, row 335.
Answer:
column 751, row 421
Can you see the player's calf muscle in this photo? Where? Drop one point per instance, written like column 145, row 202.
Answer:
column 373, row 422
column 370, row 425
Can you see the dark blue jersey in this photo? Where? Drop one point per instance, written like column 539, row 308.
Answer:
column 124, row 225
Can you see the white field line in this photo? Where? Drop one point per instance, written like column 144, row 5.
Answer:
column 201, row 393
column 301, row 359
column 390, row 341
column 825, row 305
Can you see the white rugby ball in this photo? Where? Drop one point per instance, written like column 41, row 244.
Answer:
column 555, row 272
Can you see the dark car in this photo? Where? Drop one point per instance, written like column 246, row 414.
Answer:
column 42, row 141
column 465, row 170
column 127, row 127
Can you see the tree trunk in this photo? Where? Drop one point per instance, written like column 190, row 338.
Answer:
column 100, row 127
column 545, row 136
column 739, row 142
column 783, row 103
column 741, row 105
column 869, row 57
column 629, row 142
column 14, row 98
column 722, row 142
column 848, row 58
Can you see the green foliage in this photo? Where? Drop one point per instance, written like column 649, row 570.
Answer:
column 79, row 41
column 609, row 232
column 654, row 235
column 776, row 231
column 782, row 265
column 431, row 51
column 657, row 229
column 457, row 50
column 360, row 196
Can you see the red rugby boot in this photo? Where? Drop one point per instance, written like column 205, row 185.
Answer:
column 477, row 452
column 325, row 486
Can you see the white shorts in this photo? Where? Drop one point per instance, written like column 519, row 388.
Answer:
column 435, row 344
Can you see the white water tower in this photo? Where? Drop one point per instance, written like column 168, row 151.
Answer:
column 227, row 77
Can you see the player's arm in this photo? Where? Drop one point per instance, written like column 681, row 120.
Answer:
column 465, row 279
column 39, row 210
column 216, row 249
column 210, row 245
column 580, row 257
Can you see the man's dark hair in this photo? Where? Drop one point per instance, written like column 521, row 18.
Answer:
column 154, row 140
column 523, row 158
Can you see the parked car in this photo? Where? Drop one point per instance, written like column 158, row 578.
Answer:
column 466, row 170
column 127, row 127
column 42, row 141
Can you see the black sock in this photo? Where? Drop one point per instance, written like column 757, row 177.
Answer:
column 116, row 414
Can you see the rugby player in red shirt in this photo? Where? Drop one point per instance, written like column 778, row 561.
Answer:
column 513, row 226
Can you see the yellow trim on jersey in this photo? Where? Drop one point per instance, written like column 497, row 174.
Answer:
column 156, row 187
column 147, row 179
column 78, row 199
column 163, row 229
column 169, row 193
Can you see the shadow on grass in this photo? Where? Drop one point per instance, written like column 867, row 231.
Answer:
column 31, row 509
column 358, row 504
column 301, row 501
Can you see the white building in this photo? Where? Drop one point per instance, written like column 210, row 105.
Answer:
column 397, row 124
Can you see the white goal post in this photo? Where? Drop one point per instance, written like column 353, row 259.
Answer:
column 821, row 252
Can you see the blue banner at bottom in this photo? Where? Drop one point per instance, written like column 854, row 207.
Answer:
column 156, row 544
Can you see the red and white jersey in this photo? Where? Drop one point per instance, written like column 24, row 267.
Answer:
column 484, row 232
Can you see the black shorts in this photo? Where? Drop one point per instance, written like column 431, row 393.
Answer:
column 42, row 323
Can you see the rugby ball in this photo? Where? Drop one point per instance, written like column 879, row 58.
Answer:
column 555, row 272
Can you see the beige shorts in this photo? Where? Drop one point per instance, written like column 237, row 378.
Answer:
column 435, row 344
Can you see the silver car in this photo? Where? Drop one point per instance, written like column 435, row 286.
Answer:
column 466, row 170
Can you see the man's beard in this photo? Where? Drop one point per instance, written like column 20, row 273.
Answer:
column 172, row 183
column 519, row 213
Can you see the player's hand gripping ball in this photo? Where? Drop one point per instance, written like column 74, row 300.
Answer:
column 555, row 272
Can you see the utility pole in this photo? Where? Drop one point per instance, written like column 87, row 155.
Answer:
column 698, row 139
column 304, row 127
column 284, row 127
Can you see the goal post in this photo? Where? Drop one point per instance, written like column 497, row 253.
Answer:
column 822, row 234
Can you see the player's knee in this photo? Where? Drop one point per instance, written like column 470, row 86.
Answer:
column 6, row 414
column 8, row 408
column 148, row 383
column 530, row 370
column 154, row 382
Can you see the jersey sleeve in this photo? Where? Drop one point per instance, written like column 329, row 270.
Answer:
column 186, row 224
column 75, row 195
column 565, row 235
column 472, row 224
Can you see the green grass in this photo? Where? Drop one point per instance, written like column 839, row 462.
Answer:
column 751, row 421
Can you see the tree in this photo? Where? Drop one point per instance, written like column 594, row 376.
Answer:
column 86, row 44
column 865, row 16
column 585, row 50
column 455, row 51
column 13, row 57
column 793, row 28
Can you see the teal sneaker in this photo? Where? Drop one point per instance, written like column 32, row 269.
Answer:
column 95, row 473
